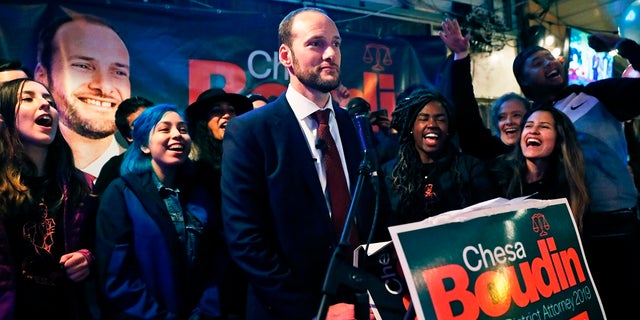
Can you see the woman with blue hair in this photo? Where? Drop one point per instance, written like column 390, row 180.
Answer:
column 156, row 242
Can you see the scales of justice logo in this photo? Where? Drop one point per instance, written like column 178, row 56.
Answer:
column 377, row 54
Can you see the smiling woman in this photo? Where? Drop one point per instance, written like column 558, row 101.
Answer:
column 208, row 117
column 161, row 195
column 547, row 163
column 430, row 176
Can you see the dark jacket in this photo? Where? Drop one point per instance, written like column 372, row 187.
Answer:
column 598, row 110
column 275, row 214
column 553, row 185
column 110, row 170
column 473, row 135
column 76, row 225
column 457, row 181
column 142, row 264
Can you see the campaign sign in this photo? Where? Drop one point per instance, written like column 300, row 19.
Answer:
column 520, row 259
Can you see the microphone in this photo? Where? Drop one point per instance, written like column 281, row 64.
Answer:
column 357, row 106
column 363, row 126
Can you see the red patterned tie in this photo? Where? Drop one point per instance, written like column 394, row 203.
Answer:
column 339, row 196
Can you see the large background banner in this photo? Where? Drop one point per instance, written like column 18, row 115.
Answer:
column 177, row 53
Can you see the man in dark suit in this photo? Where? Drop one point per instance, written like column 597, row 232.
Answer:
column 277, row 219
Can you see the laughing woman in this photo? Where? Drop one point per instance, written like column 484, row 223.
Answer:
column 156, row 254
column 547, row 163
column 45, row 236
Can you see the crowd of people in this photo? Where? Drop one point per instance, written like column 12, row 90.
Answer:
column 116, row 207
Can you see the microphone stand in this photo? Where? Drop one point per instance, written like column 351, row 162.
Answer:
column 340, row 272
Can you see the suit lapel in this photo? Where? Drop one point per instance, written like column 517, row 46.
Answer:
column 287, row 129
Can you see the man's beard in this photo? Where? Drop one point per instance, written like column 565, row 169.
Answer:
column 89, row 128
column 312, row 79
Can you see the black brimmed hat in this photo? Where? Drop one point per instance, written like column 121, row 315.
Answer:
column 201, row 108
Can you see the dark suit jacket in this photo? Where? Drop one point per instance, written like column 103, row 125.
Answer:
column 110, row 170
column 275, row 216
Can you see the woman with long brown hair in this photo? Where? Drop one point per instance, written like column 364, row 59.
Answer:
column 45, row 236
column 547, row 163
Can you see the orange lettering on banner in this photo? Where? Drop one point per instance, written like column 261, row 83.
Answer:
column 525, row 295
column 378, row 88
column 370, row 89
column 271, row 89
column 200, row 72
column 387, row 92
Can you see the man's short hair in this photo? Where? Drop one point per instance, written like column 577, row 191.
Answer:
column 11, row 65
column 126, row 108
column 284, row 29
column 46, row 35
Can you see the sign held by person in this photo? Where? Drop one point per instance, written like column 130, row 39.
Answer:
column 500, row 259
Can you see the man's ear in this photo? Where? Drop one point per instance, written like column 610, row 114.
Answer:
column 285, row 55
column 40, row 74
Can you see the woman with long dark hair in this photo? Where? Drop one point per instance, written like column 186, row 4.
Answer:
column 45, row 236
column 547, row 163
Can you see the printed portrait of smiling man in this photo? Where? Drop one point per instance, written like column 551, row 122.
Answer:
column 85, row 63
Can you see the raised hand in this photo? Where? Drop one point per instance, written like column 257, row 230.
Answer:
column 452, row 37
column 603, row 42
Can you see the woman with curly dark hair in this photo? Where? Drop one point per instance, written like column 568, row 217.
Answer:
column 430, row 175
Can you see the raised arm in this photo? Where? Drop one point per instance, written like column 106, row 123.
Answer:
column 452, row 37
column 474, row 136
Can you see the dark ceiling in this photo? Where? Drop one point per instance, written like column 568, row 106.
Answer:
column 589, row 15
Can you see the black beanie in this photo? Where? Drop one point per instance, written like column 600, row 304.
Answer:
column 521, row 58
